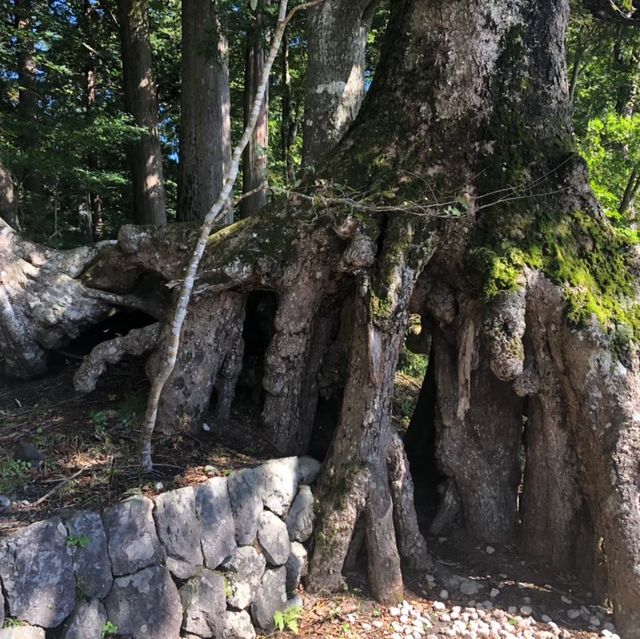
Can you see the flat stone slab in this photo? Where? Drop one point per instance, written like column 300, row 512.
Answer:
column 204, row 603
column 179, row 531
column 132, row 539
column 145, row 605
column 270, row 597
column 87, row 621
column 301, row 515
column 217, row 527
column 87, row 544
column 37, row 574
column 274, row 538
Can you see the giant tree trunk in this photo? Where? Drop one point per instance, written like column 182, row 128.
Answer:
column 337, row 35
column 205, row 124
column 460, row 168
column 145, row 157
column 8, row 200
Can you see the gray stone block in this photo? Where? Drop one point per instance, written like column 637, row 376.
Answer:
column 132, row 539
column 301, row 516
column 179, row 531
column 86, row 622
column 145, row 605
column 246, row 503
column 204, row 604
column 274, row 538
column 244, row 572
column 237, row 625
column 297, row 566
column 89, row 555
column 270, row 597
column 217, row 527
column 37, row 574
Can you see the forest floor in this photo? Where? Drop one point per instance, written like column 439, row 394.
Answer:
column 90, row 445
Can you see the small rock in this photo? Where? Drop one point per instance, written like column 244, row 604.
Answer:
column 469, row 587
column 437, row 605
column 246, row 567
column 565, row 600
column 301, row 515
column 444, row 594
column 494, row 593
column 211, row 471
column 526, row 611
column 573, row 613
column 204, row 603
column 394, row 611
column 297, row 566
column 546, row 619
column 237, row 625
column 5, row 503
column 86, row 622
column 490, row 550
column 274, row 538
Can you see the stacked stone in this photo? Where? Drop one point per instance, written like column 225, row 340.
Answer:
column 214, row 560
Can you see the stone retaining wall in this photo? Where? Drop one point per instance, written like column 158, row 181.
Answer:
column 213, row 560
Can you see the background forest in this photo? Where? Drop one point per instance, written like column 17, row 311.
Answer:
column 66, row 124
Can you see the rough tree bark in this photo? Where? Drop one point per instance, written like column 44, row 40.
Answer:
column 8, row 200
column 255, row 157
column 205, row 124
column 337, row 39
column 145, row 157
column 461, row 167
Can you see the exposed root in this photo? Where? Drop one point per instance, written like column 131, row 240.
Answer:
column 136, row 342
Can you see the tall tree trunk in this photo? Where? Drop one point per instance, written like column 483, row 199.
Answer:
column 255, row 159
column 145, row 157
column 337, row 39
column 31, row 179
column 95, row 227
column 205, row 124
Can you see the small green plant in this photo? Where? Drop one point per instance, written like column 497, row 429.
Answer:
column 13, row 475
column 81, row 590
column 109, row 629
column 10, row 622
column 81, row 541
column 288, row 619
column 229, row 590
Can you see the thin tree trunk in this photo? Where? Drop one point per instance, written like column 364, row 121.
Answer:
column 95, row 229
column 145, row 157
column 289, row 122
column 205, row 124
column 255, row 158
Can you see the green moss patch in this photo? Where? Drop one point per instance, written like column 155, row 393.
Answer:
column 586, row 256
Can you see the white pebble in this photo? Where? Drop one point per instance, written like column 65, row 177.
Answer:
column 444, row 594
column 490, row 550
column 565, row 600
column 438, row 605
column 394, row 612
column 526, row 610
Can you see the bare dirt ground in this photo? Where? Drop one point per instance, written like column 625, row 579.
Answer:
column 90, row 444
